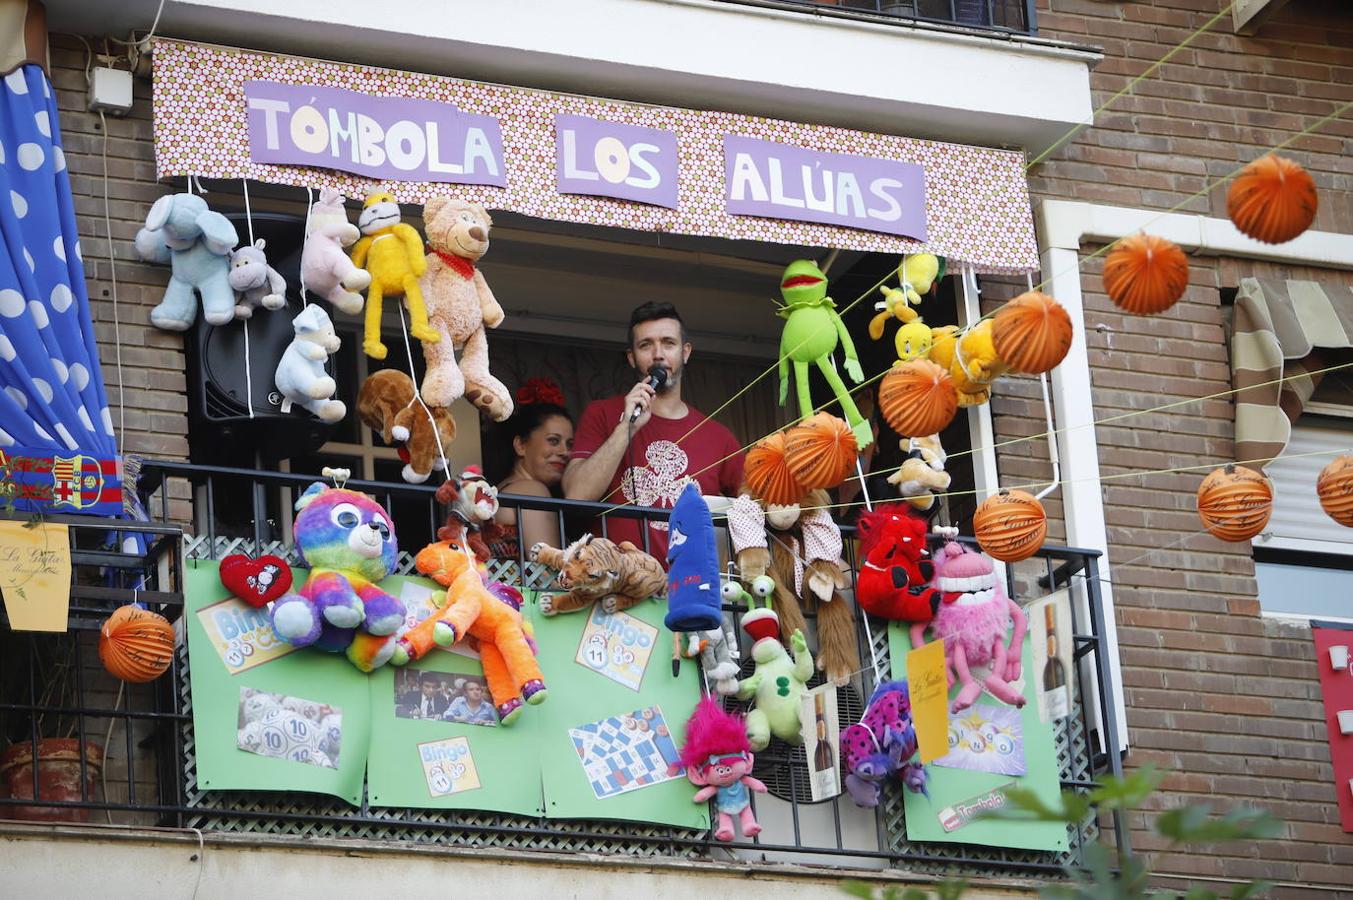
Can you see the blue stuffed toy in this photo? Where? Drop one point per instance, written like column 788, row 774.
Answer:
column 196, row 243
column 694, row 601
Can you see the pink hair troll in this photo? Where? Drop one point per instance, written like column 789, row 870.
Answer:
column 718, row 759
column 973, row 617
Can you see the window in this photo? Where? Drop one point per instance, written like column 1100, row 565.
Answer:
column 1303, row 561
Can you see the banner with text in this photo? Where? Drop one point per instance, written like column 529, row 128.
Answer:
column 380, row 137
column 763, row 178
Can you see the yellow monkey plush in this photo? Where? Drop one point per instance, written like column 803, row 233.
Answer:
column 393, row 254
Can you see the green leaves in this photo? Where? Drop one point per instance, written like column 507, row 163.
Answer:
column 1196, row 824
column 1105, row 873
column 948, row 889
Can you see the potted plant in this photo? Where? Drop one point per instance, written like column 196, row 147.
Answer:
column 38, row 677
column 37, row 680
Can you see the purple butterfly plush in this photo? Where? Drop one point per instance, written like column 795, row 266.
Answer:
column 880, row 745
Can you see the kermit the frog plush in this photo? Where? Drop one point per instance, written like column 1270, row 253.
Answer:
column 812, row 330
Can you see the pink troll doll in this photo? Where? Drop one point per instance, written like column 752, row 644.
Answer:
column 973, row 618
column 718, row 760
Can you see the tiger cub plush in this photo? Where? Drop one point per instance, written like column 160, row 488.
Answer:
column 593, row 568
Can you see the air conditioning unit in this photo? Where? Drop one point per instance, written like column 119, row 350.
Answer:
column 221, row 430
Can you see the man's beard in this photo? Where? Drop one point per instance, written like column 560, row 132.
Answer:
column 673, row 379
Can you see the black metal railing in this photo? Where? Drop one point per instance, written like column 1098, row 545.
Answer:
column 241, row 509
column 1000, row 16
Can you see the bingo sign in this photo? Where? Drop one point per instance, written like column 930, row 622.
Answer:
column 608, row 159
column 448, row 766
column 617, row 645
column 242, row 635
column 393, row 138
column 776, row 181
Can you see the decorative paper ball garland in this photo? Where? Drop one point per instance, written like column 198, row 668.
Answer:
column 1010, row 526
column 917, row 398
column 768, row 474
column 1145, row 274
column 1032, row 333
column 820, row 451
column 136, row 645
column 1235, row 502
column 1334, row 487
column 1272, row 199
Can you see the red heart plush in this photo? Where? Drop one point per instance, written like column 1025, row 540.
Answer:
column 256, row 581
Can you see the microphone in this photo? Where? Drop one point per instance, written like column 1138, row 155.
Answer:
column 657, row 380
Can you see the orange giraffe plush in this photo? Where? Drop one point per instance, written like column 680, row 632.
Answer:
column 510, row 666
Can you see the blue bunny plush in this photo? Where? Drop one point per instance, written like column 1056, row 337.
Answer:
column 195, row 242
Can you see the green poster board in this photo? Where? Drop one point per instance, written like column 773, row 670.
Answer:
column 234, row 652
column 612, row 706
column 592, row 662
column 954, row 791
column 437, row 764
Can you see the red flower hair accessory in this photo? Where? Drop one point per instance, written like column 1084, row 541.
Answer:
column 539, row 390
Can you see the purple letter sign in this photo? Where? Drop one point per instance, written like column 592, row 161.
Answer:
column 608, row 159
column 776, row 181
column 391, row 138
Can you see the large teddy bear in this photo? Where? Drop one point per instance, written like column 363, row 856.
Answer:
column 254, row 282
column 195, row 242
column 459, row 306
column 326, row 270
column 348, row 540
column 300, row 375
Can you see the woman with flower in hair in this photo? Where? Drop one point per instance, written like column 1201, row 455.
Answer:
column 537, row 438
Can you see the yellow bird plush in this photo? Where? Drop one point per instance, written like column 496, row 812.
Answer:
column 393, row 254
column 971, row 360
column 917, row 274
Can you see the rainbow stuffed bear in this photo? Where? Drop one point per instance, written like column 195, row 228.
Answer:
column 348, row 541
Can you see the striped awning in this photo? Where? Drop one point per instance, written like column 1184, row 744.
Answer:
column 1279, row 329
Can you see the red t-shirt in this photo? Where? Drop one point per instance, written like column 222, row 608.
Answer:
column 658, row 464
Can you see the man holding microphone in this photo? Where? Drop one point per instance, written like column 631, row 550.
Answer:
column 643, row 448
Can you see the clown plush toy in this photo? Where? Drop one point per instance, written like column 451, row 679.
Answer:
column 348, row 541
column 393, row 254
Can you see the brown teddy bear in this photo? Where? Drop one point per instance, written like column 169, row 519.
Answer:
column 459, row 306
column 386, row 404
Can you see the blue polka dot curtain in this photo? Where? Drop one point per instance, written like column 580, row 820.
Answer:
column 56, row 434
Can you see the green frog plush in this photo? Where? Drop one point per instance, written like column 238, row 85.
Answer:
column 777, row 683
column 812, row 331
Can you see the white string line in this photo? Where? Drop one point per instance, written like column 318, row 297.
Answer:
column 418, row 395
column 112, row 275
column 248, row 367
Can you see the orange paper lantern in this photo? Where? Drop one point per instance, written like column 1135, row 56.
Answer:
column 917, row 398
column 136, row 644
column 820, row 451
column 1235, row 502
column 1272, row 199
column 1032, row 333
column 1145, row 274
column 768, row 475
column 1011, row 525
column 1335, row 489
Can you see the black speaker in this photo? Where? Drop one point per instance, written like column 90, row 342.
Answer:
column 221, row 430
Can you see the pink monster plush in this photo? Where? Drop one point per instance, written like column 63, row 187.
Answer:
column 973, row 619
column 718, row 759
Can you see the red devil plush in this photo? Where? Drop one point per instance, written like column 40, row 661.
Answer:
column 894, row 580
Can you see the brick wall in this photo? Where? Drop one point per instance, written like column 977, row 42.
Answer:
column 1227, row 701
column 153, row 387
